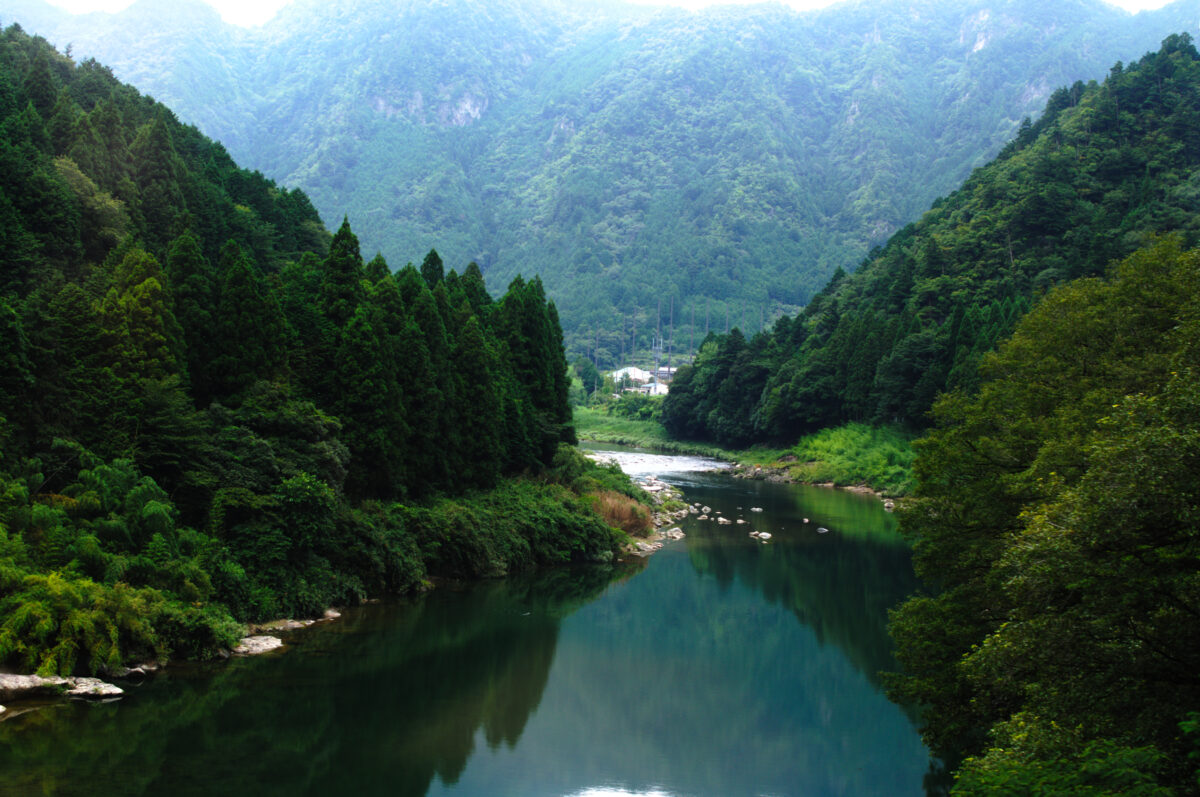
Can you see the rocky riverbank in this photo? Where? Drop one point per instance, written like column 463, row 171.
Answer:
column 783, row 473
column 668, row 508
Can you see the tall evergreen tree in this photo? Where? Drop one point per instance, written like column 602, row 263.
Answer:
column 341, row 278
column 194, row 285
column 251, row 331
column 432, row 269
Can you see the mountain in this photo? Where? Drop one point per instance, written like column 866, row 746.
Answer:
column 1104, row 168
column 721, row 164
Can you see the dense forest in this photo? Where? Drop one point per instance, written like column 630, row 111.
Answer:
column 723, row 162
column 1104, row 167
column 211, row 411
column 1054, row 646
column 1055, row 527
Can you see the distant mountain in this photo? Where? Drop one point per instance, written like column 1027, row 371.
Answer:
column 723, row 163
column 1104, row 169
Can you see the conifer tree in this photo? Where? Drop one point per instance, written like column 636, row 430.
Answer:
column 158, row 173
column 341, row 278
column 475, row 290
column 480, row 417
column 432, row 269
column 194, row 284
column 251, row 331
column 143, row 336
column 370, row 405
column 377, row 268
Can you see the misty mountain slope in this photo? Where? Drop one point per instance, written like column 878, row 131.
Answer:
column 728, row 161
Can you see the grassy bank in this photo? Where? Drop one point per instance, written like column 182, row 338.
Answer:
column 879, row 457
column 855, row 454
column 594, row 425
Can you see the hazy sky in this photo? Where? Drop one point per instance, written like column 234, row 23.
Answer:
column 256, row 12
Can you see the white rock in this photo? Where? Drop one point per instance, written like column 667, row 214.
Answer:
column 332, row 614
column 254, row 645
column 756, row 509
column 766, row 535
column 822, row 530
column 725, row 521
column 741, row 522
column 94, row 687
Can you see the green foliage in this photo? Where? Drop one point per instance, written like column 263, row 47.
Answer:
column 1055, row 523
column 1030, row 759
column 880, row 457
column 732, row 158
column 1106, row 166
column 132, row 523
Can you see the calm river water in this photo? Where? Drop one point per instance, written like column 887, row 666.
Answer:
column 720, row 666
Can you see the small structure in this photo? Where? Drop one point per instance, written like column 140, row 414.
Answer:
column 632, row 374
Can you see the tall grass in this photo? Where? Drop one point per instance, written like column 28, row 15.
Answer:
column 880, row 457
column 622, row 512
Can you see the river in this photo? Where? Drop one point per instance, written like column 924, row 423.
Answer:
column 720, row 666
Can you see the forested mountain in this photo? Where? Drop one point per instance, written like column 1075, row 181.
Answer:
column 724, row 163
column 210, row 410
column 1105, row 166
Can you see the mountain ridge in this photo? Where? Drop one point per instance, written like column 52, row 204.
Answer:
column 724, row 161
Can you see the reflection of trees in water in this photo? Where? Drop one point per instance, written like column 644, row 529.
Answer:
column 839, row 584
column 407, row 684
column 840, row 589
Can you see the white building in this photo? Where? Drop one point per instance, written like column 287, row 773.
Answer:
column 635, row 375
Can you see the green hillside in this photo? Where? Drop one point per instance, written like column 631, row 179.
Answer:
column 212, row 412
column 722, row 164
column 1105, row 167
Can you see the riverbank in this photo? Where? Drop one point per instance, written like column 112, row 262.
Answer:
column 558, row 516
column 859, row 457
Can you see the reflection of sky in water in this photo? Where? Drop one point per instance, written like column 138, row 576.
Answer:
column 727, row 668
column 605, row 791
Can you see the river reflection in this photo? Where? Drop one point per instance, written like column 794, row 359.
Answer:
column 725, row 667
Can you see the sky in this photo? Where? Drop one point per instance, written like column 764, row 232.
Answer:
column 256, row 12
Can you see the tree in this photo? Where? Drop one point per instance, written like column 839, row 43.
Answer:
column 251, row 331
column 195, row 287
column 432, row 269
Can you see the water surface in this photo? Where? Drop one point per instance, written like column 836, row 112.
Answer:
column 719, row 666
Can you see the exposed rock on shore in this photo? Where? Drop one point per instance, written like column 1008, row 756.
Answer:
column 782, row 474
column 255, row 645
column 17, row 686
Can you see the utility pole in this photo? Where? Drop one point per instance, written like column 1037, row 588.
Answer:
column 692, row 335
column 671, row 345
column 622, row 340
